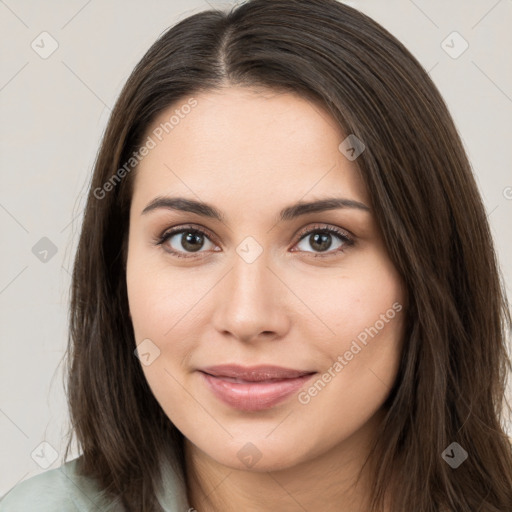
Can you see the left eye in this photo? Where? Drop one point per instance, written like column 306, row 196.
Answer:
column 321, row 240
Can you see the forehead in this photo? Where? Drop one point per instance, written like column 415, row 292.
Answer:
column 256, row 144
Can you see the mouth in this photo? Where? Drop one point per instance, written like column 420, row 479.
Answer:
column 253, row 388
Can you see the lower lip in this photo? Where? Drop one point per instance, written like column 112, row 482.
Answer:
column 254, row 396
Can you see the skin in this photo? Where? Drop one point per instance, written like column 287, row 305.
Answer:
column 251, row 153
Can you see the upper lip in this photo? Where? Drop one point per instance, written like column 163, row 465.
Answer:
column 254, row 373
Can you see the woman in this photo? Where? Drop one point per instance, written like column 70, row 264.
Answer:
column 285, row 295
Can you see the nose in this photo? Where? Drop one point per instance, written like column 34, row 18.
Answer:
column 250, row 302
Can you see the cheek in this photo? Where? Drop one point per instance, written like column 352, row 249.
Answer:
column 164, row 305
column 159, row 307
column 365, row 311
column 360, row 366
column 357, row 303
column 159, row 300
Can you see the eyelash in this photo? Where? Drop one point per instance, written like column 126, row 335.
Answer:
column 341, row 234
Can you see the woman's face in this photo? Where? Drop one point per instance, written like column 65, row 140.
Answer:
column 243, row 285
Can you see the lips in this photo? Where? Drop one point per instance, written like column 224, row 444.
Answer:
column 254, row 373
column 253, row 388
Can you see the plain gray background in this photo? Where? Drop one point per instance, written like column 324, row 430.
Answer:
column 53, row 113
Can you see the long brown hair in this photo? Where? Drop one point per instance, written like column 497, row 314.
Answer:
column 451, row 382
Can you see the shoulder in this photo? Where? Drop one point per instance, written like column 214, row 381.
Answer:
column 59, row 489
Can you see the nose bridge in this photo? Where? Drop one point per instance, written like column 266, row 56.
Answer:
column 249, row 302
column 249, row 282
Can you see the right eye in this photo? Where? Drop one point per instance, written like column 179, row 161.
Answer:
column 183, row 242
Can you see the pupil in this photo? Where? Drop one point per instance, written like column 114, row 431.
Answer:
column 189, row 239
column 322, row 241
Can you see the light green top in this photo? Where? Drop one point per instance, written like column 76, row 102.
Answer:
column 63, row 490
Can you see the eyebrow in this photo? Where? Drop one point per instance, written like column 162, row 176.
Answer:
column 286, row 214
